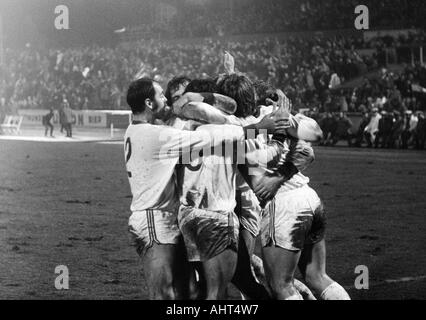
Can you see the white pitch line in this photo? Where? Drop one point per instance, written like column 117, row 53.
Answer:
column 405, row 279
column 58, row 139
column 111, row 142
column 391, row 281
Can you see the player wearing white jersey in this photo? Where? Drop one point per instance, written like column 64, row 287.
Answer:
column 151, row 154
column 206, row 217
column 250, row 209
column 292, row 232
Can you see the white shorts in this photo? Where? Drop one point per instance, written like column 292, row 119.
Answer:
column 293, row 219
column 208, row 233
column 153, row 226
column 248, row 211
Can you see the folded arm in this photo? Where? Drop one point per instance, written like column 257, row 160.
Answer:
column 218, row 101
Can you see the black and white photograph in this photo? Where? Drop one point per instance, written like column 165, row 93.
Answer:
column 189, row 150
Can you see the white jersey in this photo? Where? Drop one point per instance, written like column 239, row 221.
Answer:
column 209, row 181
column 298, row 180
column 151, row 154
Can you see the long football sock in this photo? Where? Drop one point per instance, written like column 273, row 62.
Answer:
column 303, row 290
column 296, row 296
column 334, row 292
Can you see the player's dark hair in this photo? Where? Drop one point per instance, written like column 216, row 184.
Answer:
column 240, row 88
column 264, row 90
column 174, row 85
column 140, row 90
column 202, row 85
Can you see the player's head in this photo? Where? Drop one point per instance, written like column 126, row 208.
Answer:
column 202, row 85
column 145, row 94
column 175, row 88
column 264, row 90
column 240, row 88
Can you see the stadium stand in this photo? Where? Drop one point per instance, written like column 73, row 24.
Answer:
column 313, row 70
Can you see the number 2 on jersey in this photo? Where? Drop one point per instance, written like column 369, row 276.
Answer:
column 128, row 153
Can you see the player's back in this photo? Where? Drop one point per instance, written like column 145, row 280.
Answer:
column 152, row 180
column 209, row 181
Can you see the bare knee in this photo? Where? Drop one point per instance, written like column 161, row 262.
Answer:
column 317, row 280
column 215, row 293
column 167, row 292
column 161, row 287
column 164, row 292
column 216, row 285
column 284, row 291
column 281, row 287
column 218, row 273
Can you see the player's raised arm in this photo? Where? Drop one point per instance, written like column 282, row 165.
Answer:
column 229, row 63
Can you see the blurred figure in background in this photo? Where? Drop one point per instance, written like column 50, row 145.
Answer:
column 343, row 129
column 47, row 123
column 420, row 131
column 372, row 128
column 360, row 133
column 397, row 129
column 62, row 117
column 413, row 122
column 384, row 135
column 68, row 118
column 328, row 126
column 410, row 124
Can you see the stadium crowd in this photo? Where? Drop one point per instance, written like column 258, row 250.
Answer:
column 95, row 77
column 392, row 106
column 236, row 17
column 309, row 70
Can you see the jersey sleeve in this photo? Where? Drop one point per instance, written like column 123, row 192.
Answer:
column 176, row 143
